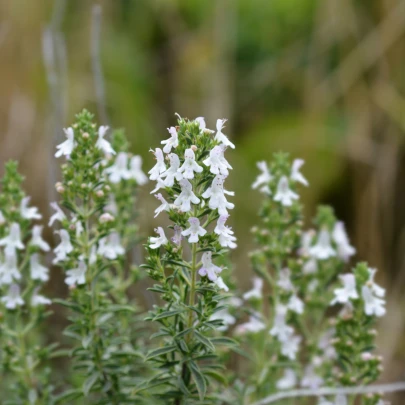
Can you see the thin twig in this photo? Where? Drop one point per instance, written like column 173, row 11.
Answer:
column 381, row 388
column 98, row 78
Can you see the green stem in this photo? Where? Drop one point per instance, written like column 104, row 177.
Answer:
column 193, row 284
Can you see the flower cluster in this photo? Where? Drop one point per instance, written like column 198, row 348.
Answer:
column 191, row 170
column 22, row 276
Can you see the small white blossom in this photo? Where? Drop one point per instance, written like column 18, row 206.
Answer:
column 343, row 295
column 221, row 285
column 159, row 167
column 186, row 196
column 102, row 144
column 373, row 305
column 159, row 184
column 79, row 226
column 59, row 215
column 283, row 194
column 284, row 281
column 173, row 171
column 216, row 194
column 290, row 347
column 257, row 291
column 190, row 165
column 136, row 172
column 13, row 240
column 225, row 233
column 156, row 242
column 104, row 218
column 194, row 231
column 111, row 206
column 202, row 125
column 165, row 206
column 208, row 268
column 296, row 175
column 295, row 304
column 226, row 318
column 220, row 137
column 323, row 249
column 280, row 328
column 37, row 240
column 13, row 299
column 64, row 248
column 77, row 275
column 339, row 235
column 263, row 179
column 110, row 247
column 9, row 269
column 310, row 378
column 37, row 271
column 310, row 266
column 325, row 344
column 177, row 237
column 172, row 142
column 375, row 288
column 254, row 325
column 119, row 170
column 38, row 299
column 2, row 219
column 29, row 213
column 66, row 147
column 288, row 380
column 306, row 242
column 217, row 162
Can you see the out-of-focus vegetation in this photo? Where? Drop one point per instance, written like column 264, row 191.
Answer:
column 320, row 79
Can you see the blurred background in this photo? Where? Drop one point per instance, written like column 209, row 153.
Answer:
column 321, row 79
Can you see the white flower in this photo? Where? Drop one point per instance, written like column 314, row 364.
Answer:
column 226, row 238
column 159, row 184
column 37, row 240
column 217, row 162
column 311, row 379
column 9, row 269
column 165, row 206
column 37, row 271
column 13, row 240
column 110, row 247
column 288, row 380
column 339, row 235
column 156, row 242
column 172, row 142
column 13, row 299
column 38, row 299
column 202, row 125
column 372, row 304
column 226, row 318
column 66, row 147
column 79, row 226
column 325, row 344
column 136, row 172
column 347, row 311
column 2, row 219
column 172, row 172
column 159, row 167
column 64, row 248
column 102, row 144
column 263, row 179
column 254, row 325
column 306, row 242
column 77, row 275
column 323, row 249
column 208, row 268
column 29, row 213
column 296, row 175
column 104, row 218
column 221, row 285
column 111, row 206
column 280, row 328
column 59, row 215
column 343, row 295
column 375, row 288
column 119, row 170
column 295, row 304
column 310, row 266
column 284, row 281
column 290, row 347
column 190, row 165
column 177, row 237
column 220, row 137
column 216, row 194
column 340, row 400
column 194, row 231
column 257, row 291
column 186, row 196
column 283, row 194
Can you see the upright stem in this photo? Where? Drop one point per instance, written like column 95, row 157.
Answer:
column 193, row 283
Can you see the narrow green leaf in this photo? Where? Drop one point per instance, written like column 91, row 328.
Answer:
column 89, row 382
column 160, row 352
column 205, row 341
column 167, row 314
column 199, row 380
column 224, row 341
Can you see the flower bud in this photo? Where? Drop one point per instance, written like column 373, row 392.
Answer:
column 100, row 193
column 85, row 135
column 193, row 148
column 106, row 217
